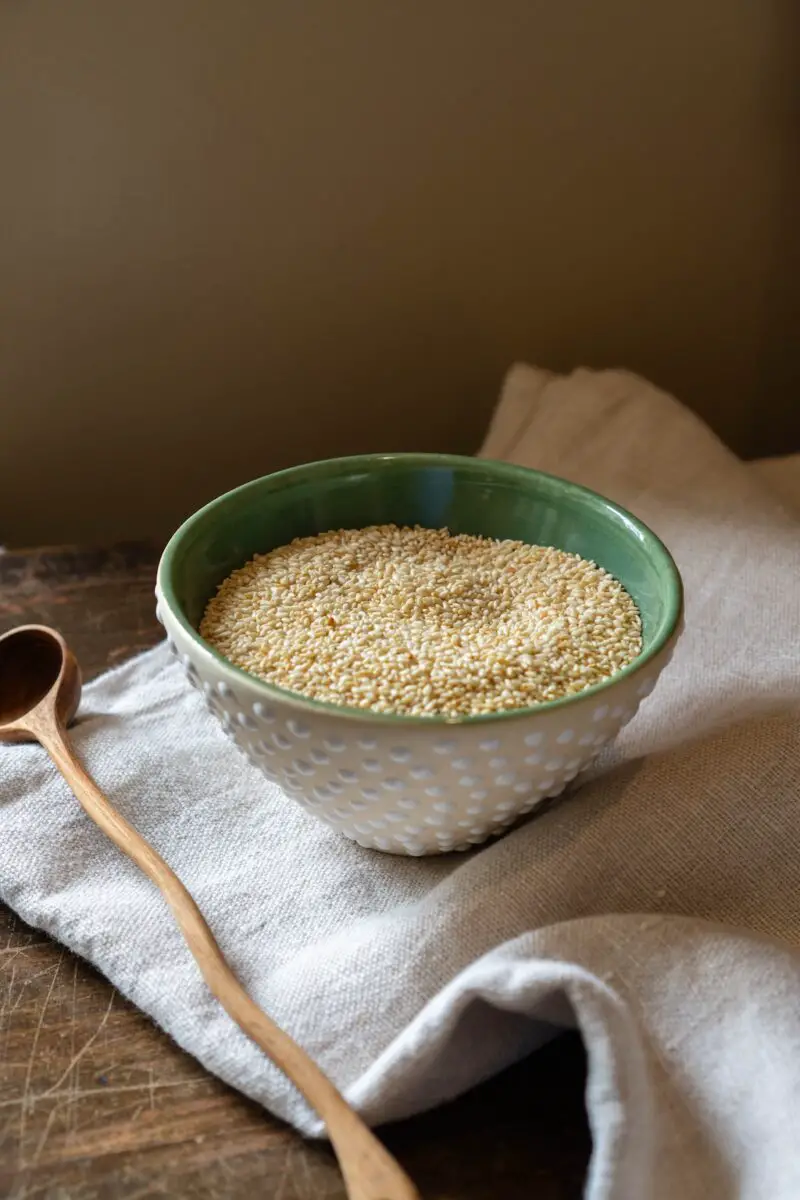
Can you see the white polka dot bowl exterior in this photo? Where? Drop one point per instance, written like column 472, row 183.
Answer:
column 400, row 784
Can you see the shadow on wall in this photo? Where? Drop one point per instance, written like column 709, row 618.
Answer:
column 775, row 425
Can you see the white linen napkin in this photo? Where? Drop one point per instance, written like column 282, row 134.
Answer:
column 656, row 909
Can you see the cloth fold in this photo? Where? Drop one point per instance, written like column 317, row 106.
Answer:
column 656, row 908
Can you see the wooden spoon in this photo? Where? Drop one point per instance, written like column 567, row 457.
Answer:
column 40, row 688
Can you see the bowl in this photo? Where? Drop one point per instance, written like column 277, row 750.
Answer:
column 402, row 784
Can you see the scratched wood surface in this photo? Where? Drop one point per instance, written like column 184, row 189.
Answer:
column 96, row 1102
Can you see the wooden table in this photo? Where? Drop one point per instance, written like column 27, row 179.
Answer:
column 96, row 1102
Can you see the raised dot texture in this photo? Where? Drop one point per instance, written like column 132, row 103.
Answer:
column 437, row 803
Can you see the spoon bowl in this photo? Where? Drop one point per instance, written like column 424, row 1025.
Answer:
column 36, row 666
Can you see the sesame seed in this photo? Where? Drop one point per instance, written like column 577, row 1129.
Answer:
column 423, row 622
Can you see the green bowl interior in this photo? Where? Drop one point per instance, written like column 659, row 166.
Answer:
column 467, row 495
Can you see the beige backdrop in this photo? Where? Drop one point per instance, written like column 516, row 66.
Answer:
column 235, row 234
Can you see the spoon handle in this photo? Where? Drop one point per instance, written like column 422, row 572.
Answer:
column 370, row 1172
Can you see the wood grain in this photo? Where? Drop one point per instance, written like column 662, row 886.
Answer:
column 96, row 1102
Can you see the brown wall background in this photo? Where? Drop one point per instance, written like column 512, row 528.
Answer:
column 235, row 235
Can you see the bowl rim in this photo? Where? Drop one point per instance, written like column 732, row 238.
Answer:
column 237, row 676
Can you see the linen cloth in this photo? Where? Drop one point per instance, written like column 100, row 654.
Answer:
column 656, row 909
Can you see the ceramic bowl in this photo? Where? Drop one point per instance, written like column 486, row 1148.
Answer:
column 411, row 785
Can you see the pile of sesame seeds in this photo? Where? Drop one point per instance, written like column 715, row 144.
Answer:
column 423, row 622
